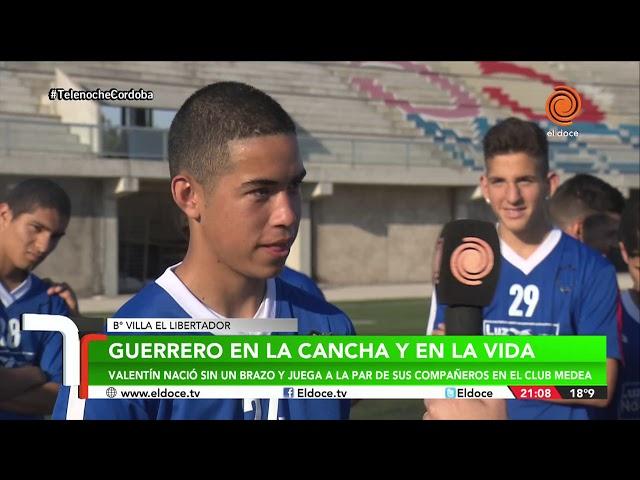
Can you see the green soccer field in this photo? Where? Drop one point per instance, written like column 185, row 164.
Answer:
column 388, row 317
column 382, row 317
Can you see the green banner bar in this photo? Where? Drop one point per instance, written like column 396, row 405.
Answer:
column 280, row 349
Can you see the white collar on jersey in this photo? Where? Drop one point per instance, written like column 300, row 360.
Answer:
column 8, row 298
column 544, row 249
column 629, row 305
column 170, row 282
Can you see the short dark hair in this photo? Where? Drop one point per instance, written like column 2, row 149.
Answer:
column 213, row 116
column 630, row 228
column 583, row 195
column 514, row 136
column 34, row 193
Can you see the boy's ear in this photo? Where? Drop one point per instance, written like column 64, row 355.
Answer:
column 574, row 229
column 623, row 251
column 554, row 181
column 188, row 195
column 484, row 187
column 6, row 215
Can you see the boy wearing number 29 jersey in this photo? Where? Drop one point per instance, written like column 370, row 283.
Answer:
column 550, row 283
column 564, row 288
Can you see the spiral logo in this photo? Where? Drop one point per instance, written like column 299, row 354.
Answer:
column 471, row 261
column 563, row 105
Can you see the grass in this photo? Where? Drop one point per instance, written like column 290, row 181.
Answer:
column 388, row 317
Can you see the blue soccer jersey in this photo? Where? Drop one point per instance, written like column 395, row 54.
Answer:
column 168, row 297
column 563, row 288
column 20, row 348
column 302, row 281
column 626, row 401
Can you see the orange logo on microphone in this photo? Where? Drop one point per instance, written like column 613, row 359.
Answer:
column 563, row 105
column 471, row 261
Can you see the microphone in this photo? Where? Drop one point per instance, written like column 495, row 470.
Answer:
column 467, row 264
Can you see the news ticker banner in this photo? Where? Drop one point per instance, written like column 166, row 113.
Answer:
column 324, row 366
column 197, row 364
column 324, row 392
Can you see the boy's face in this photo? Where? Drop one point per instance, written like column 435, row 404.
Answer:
column 251, row 216
column 26, row 240
column 516, row 190
column 634, row 266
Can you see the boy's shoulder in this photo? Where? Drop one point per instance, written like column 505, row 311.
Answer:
column 151, row 301
column 584, row 256
column 314, row 314
column 300, row 280
column 37, row 300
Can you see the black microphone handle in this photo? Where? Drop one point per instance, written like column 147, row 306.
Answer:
column 463, row 320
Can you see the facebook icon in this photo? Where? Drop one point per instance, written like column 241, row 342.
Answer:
column 450, row 392
column 288, row 392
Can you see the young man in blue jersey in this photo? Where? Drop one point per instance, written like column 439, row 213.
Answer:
column 626, row 403
column 236, row 175
column 33, row 218
column 550, row 283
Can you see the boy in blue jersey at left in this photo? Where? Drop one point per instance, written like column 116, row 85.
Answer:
column 550, row 283
column 236, row 175
column 33, row 219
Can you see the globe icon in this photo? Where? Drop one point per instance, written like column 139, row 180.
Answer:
column 111, row 392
